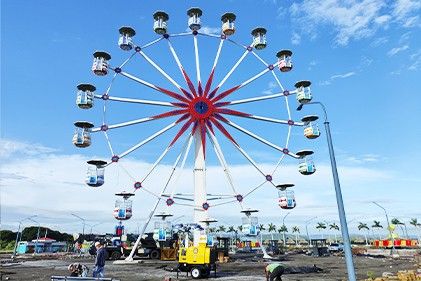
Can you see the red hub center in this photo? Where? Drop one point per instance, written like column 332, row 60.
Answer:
column 201, row 108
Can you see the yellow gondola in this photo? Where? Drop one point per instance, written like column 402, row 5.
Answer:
column 311, row 130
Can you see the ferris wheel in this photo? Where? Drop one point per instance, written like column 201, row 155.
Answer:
column 203, row 114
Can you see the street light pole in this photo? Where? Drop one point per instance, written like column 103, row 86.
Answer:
column 83, row 220
column 17, row 235
column 388, row 227
column 308, row 236
column 283, row 224
column 339, row 201
column 36, row 242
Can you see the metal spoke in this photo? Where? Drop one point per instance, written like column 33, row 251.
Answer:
column 130, row 100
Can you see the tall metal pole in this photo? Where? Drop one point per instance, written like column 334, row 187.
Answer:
column 339, row 201
column 308, row 236
column 388, row 227
column 19, row 234
column 283, row 232
column 199, row 179
column 83, row 228
column 36, row 241
column 16, row 242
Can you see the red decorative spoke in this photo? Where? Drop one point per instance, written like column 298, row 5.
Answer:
column 189, row 83
column 170, row 113
column 181, row 132
column 232, row 112
column 172, row 94
column 222, row 129
column 209, row 82
column 226, row 93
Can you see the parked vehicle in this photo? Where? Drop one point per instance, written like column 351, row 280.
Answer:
column 336, row 247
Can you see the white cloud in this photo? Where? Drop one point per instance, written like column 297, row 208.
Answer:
column 403, row 9
column 383, row 20
column 345, row 75
column 52, row 187
column 210, row 30
column 9, row 147
column 379, row 42
column 415, row 61
column 337, row 76
column 296, row 38
column 396, row 50
column 351, row 19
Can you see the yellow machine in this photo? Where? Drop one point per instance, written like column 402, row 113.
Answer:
column 198, row 260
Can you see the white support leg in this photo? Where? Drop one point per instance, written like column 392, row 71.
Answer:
column 199, row 179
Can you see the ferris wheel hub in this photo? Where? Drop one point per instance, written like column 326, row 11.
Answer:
column 201, row 108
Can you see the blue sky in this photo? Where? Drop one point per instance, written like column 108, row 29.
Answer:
column 362, row 57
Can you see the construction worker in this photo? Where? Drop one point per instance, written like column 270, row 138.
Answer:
column 101, row 253
column 274, row 271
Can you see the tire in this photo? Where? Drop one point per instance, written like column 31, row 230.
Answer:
column 115, row 255
column 195, row 273
column 155, row 254
column 206, row 272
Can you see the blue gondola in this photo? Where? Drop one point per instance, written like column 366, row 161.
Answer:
column 303, row 92
column 95, row 173
column 85, row 96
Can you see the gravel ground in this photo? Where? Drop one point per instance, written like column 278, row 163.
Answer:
column 250, row 269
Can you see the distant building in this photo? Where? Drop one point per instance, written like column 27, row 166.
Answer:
column 44, row 245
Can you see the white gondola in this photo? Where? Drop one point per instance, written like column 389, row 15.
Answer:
column 303, row 91
column 160, row 22
column 306, row 166
column 286, row 197
column 100, row 64
column 194, row 18
column 250, row 223
column 228, row 26
column 284, row 60
column 162, row 227
column 95, row 173
column 85, row 96
column 311, row 130
column 259, row 38
column 123, row 207
column 82, row 135
column 125, row 41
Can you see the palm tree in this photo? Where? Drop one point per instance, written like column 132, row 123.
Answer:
column 320, row 226
column 364, row 226
column 398, row 222
column 282, row 230
column 271, row 228
column 296, row 230
column 221, row 228
column 376, row 224
column 416, row 224
column 334, row 226
column 230, row 230
column 212, row 229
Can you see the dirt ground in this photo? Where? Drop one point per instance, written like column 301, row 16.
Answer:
column 248, row 269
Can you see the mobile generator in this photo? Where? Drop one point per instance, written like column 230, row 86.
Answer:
column 198, row 260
